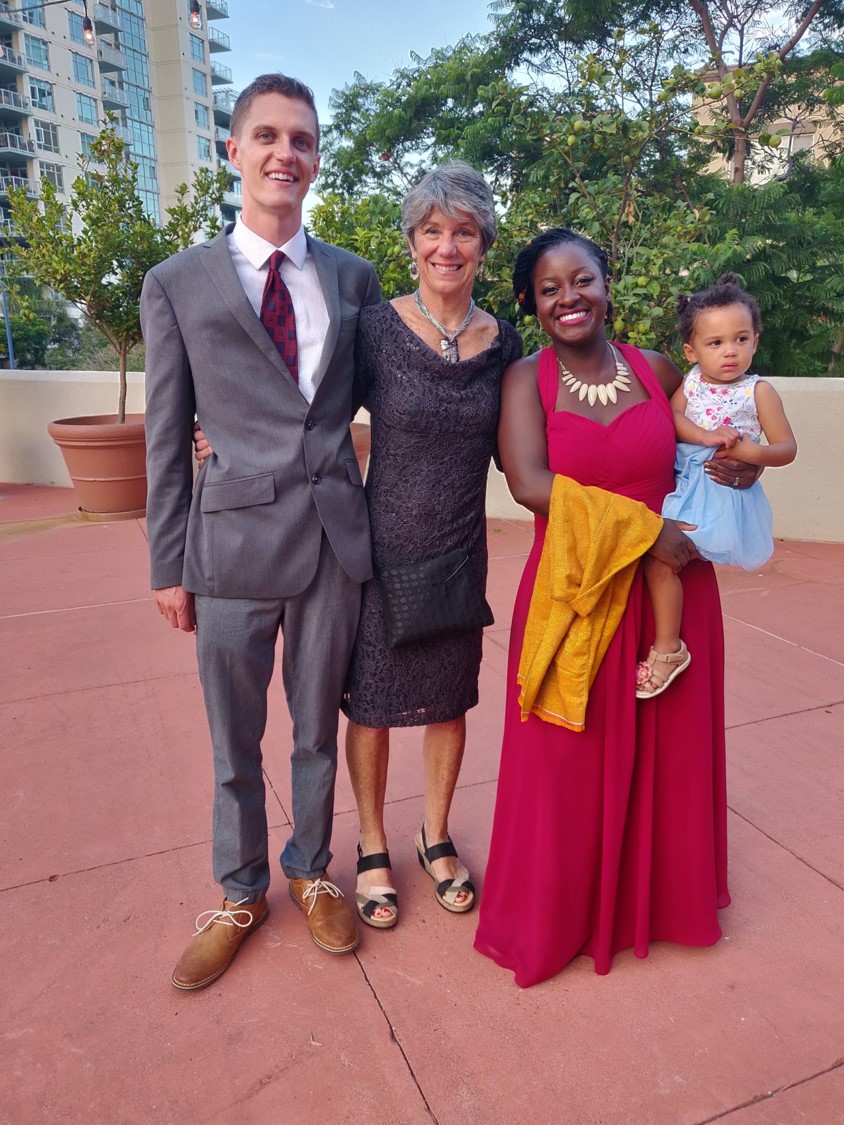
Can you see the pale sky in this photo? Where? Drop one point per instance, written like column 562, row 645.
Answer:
column 323, row 42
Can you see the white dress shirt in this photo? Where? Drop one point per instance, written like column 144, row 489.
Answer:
column 250, row 255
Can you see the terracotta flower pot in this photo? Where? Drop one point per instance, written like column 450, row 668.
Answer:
column 362, row 441
column 106, row 462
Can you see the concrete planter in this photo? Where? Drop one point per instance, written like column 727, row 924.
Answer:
column 106, row 462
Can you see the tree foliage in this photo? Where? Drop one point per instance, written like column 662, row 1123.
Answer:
column 96, row 249
column 40, row 324
column 759, row 58
column 619, row 133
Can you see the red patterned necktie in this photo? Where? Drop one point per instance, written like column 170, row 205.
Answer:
column 278, row 317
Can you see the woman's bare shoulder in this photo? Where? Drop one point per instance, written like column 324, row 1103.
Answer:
column 669, row 375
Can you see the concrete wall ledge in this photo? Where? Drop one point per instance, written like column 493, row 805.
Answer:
column 31, row 399
column 807, row 497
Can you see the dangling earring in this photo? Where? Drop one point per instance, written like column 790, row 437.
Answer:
column 413, row 270
column 610, row 317
column 480, row 273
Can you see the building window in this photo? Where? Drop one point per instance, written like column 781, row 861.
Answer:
column 201, row 115
column 47, row 135
column 86, row 109
column 41, row 95
column 83, row 70
column 33, row 13
column 203, row 146
column 143, row 140
column 197, row 48
column 200, row 83
column 53, row 173
column 74, row 28
column 85, row 142
column 36, row 52
column 800, row 142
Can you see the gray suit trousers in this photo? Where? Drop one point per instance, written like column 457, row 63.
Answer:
column 236, row 642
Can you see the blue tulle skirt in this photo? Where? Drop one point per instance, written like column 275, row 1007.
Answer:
column 733, row 526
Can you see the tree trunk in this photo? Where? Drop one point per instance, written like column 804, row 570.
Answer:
column 740, row 157
column 121, row 401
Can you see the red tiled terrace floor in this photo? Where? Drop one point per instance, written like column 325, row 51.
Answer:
column 106, row 778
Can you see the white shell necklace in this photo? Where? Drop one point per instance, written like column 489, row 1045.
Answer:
column 596, row 392
column 448, row 343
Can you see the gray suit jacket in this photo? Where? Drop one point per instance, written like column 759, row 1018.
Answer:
column 282, row 470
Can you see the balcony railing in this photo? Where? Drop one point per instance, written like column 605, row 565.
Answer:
column 110, row 57
column 220, row 74
column 107, row 18
column 124, row 134
column 7, row 182
column 113, row 95
column 10, row 99
column 9, row 16
column 217, row 9
column 11, row 142
column 218, row 40
column 224, row 104
column 10, row 59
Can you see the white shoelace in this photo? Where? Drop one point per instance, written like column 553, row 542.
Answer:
column 319, row 887
column 224, row 918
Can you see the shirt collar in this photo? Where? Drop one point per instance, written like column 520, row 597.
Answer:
column 257, row 250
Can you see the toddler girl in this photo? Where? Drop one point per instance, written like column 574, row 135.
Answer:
column 718, row 406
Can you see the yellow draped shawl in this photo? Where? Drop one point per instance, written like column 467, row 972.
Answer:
column 593, row 544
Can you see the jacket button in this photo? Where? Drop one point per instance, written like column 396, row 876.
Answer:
column 309, row 425
column 315, row 479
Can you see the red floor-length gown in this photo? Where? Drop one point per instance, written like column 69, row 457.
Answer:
column 615, row 836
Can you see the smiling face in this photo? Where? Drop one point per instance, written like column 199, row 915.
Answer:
column 276, row 153
column 448, row 252
column 571, row 293
column 723, row 343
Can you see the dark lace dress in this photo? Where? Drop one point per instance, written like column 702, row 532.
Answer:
column 433, row 433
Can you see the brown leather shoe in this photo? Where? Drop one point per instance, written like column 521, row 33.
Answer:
column 330, row 921
column 213, row 946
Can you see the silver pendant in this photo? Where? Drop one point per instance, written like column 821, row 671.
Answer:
column 449, row 350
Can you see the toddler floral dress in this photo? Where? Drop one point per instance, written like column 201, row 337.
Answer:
column 734, row 526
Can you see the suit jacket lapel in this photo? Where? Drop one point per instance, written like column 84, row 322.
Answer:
column 219, row 265
column 326, row 266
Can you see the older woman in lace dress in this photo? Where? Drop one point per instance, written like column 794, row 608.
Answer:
column 429, row 367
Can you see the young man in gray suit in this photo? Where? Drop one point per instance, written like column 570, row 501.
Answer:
column 275, row 534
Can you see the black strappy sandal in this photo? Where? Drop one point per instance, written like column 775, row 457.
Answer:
column 447, row 890
column 378, row 897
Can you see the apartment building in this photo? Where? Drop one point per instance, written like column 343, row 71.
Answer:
column 154, row 64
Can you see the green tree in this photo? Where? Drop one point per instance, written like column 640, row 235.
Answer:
column 615, row 133
column 759, row 58
column 369, row 227
column 579, row 156
column 96, row 249
column 39, row 323
column 790, row 255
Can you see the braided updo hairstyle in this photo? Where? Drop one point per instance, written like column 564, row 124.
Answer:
column 727, row 290
column 527, row 258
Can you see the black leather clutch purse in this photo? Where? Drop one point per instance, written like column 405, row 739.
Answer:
column 431, row 599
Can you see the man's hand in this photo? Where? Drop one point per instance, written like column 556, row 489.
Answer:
column 201, row 446
column 176, row 604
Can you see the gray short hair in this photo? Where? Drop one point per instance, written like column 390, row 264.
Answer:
column 455, row 188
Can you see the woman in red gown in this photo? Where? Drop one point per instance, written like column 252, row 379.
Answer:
column 614, row 836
